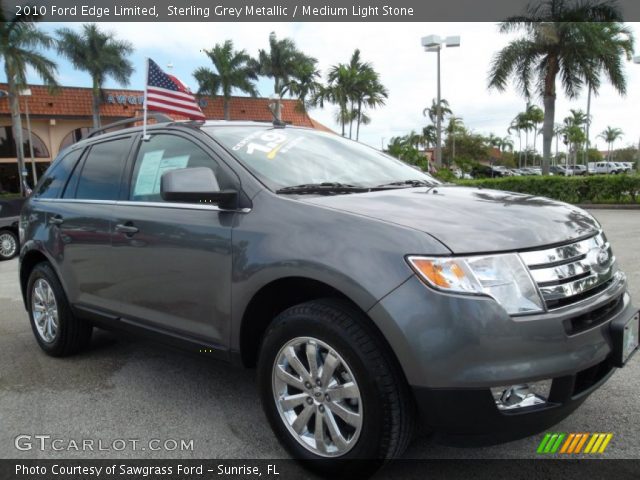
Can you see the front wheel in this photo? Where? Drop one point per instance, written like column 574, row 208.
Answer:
column 331, row 388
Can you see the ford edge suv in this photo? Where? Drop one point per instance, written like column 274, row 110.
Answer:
column 368, row 294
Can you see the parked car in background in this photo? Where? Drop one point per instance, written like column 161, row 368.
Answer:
column 622, row 167
column 560, row 170
column 604, row 167
column 9, row 235
column 578, row 169
column 631, row 166
column 374, row 301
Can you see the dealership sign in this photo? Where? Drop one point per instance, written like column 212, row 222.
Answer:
column 138, row 100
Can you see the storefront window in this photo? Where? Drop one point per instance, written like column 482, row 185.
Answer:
column 8, row 145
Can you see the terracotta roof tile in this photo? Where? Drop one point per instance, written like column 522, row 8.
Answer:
column 77, row 101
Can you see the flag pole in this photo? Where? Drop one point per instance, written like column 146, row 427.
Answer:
column 144, row 110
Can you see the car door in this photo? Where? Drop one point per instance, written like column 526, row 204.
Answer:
column 172, row 261
column 80, row 221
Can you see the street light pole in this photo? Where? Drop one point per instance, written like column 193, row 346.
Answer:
column 439, row 117
column 434, row 43
column 637, row 60
column 27, row 93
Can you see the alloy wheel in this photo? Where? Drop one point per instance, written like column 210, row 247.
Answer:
column 8, row 245
column 44, row 310
column 317, row 397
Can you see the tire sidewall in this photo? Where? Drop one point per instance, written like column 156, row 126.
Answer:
column 290, row 326
column 45, row 272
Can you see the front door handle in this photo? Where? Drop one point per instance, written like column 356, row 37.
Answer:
column 127, row 228
column 56, row 220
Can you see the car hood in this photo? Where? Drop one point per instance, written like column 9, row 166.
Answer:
column 470, row 220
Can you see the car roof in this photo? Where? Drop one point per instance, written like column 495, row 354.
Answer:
column 180, row 124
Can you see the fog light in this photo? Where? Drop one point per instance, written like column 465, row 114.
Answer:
column 521, row 396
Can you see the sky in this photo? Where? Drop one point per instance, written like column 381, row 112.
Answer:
column 394, row 49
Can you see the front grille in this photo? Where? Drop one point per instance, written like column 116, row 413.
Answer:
column 573, row 272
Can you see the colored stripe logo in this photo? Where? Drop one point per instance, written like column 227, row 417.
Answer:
column 573, row 443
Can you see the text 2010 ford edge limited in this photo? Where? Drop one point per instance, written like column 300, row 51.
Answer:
column 366, row 293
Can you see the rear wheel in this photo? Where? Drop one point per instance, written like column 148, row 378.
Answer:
column 331, row 388
column 58, row 332
column 8, row 244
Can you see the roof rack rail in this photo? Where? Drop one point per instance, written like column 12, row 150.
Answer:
column 158, row 117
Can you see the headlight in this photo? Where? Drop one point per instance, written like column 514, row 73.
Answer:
column 503, row 277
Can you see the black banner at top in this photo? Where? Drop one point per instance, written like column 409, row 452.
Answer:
column 280, row 10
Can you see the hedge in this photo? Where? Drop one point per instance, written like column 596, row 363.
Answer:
column 579, row 189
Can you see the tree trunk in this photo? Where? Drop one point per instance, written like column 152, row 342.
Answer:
column 278, row 109
column 358, row 120
column 225, row 107
column 520, row 152
column 16, row 124
column 96, row 105
column 549, row 112
column 526, row 147
column 351, row 120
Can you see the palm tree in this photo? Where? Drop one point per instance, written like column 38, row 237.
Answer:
column 610, row 135
column 282, row 62
column 233, row 70
column 432, row 111
column 454, row 127
column 339, row 91
column 429, row 136
column 20, row 42
column 367, row 89
column 574, row 134
column 574, row 39
column 506, row 143
column 536, row 117
column 98, row 53
column 304, row 86
column 521, row 123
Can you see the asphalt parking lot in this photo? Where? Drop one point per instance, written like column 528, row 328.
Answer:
column 131, row 389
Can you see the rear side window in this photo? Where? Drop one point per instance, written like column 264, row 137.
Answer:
column 53, row 183
column 102, row 170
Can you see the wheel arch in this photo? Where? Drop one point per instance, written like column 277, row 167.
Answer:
column 278, row 295
column 28, row 261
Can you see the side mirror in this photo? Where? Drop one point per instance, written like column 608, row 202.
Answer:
column 196, row 185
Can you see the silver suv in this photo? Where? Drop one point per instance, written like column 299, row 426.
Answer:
column 367, row 294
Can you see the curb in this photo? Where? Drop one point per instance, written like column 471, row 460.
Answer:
column 613, row 206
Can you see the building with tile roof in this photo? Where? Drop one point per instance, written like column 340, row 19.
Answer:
column 64, row 116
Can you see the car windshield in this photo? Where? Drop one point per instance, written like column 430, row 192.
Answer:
column 289, row 157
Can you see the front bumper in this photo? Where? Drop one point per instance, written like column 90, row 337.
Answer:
column 454, row 348
column 470, row 416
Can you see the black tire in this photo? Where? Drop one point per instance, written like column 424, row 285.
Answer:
column 11, row 237
column 387, row 406
column 73, row 334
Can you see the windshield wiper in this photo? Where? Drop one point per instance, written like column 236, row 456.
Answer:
column 325, row 187
column 409, row 183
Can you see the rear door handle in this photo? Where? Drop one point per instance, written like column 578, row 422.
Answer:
column 56, row 220
column 127, row 229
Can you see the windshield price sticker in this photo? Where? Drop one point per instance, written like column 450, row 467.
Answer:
column 268, row 143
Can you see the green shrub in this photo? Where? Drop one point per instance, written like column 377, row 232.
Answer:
column 581, row 189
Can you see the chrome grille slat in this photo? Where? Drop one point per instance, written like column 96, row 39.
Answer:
column 561, row 273
column 571, row 270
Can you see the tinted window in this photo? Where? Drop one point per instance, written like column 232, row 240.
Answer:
column 53, row 183
column 162, row 153
column 102, row 170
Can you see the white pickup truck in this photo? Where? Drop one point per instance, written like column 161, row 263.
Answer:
column 604, row 167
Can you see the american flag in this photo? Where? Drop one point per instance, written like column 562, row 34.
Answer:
column 165, row 93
